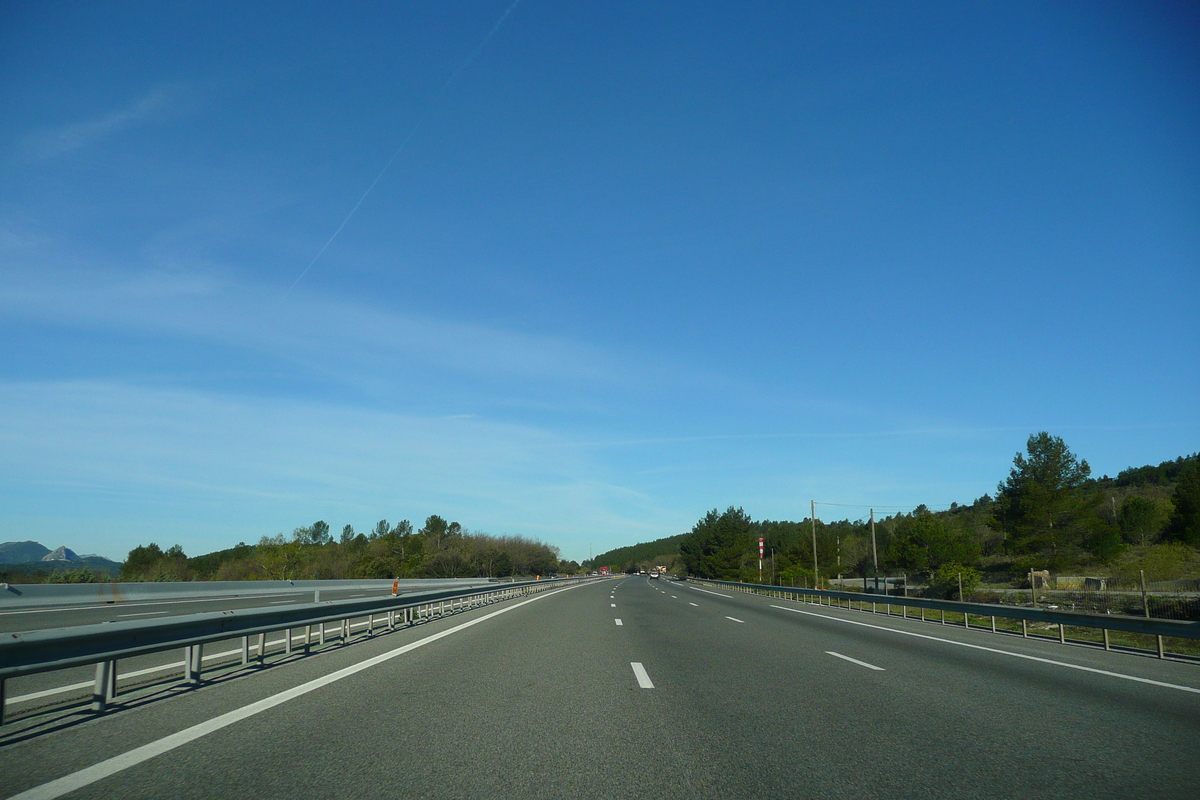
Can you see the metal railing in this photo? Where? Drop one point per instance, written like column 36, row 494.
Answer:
column 24, row 596
column 1158, row 628
column 104, row 644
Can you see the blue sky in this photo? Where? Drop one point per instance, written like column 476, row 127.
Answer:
column 627, row 262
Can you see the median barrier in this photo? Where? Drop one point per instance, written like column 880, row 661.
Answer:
column 104, row 644
column 25, row 595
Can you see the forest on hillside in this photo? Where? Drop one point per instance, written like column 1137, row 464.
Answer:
column 439, row 549
column 1049, row 513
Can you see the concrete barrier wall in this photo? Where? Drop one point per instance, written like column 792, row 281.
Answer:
column 14, row 596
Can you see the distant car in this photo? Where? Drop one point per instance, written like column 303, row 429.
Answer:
column 654, row 575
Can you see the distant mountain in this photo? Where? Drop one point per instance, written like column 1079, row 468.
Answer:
column 32, row 553
column 62, row 554
column 22, row 552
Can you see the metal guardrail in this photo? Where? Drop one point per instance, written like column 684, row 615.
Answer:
column 103, row 644
column 24, row 595
column 1158, row 628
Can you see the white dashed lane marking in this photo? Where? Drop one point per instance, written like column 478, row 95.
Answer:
column 639, row 672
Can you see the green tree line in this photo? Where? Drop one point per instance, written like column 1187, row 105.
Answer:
column 1048, row 513
column 439, row 549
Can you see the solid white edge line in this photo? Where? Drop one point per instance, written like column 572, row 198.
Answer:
column 854, row 661
column 89, row 775
column 1051, row 661
column 706, row 591
column 643, row 678
column 735, row 619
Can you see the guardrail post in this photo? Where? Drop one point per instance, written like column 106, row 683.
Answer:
column 345, row 630
column 943, row 616
column 1106, row 645
column 370, row 624
column 197, row 662
column 1062, row 633
column 112, row 680
column 307, row 637
column 322, row 635
column 187, row 667
column 993, row 624
column 1161, row 654
column 3, row 699
column 966, row 620
column 100, row 689
column 262, row 646
column 1025, row 628
column 245, row 650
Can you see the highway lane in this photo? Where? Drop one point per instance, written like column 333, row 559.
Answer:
column 750, row 698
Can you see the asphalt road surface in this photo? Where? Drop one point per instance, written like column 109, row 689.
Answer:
column 695, row 692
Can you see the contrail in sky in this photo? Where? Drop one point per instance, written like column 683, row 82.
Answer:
column 420, row 121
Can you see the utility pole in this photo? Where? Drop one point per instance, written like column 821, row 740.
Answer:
column 874, row 550
column 812, row 513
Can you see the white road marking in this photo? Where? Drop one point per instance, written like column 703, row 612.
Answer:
column 640, row 673
column 96, row 772
column 146, row 613
column 735, row 619
column 673, row 596
column 706, row 591
column 1000, row 652
column 854, row 661
column 690, row 603
column 619, row 623
column 613, row 605
column 278, row 602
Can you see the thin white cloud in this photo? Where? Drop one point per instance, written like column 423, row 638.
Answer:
column 56, row 141
column 338, row 338
column 148, row 455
